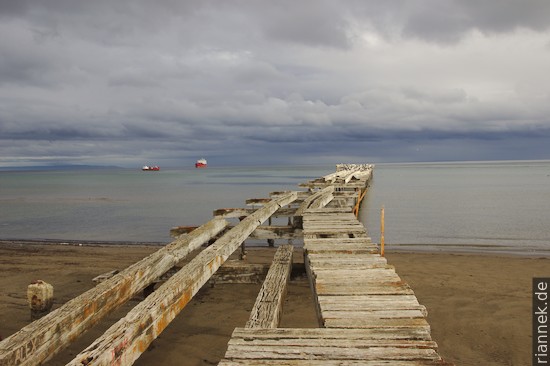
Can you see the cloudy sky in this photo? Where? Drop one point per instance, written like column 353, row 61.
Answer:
column 133, row 82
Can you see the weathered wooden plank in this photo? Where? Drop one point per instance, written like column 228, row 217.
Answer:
column 379, row 323
column 245, row 362
column 344, row 307
column 330, row 210
column 267, row 310
column 335, row 265
column 43, row 338
column 315, row 214
column 330, row 220
column 342, row 257
column 372, row 314
column 351, row 274
column 384, row 288
column 333, row 353
column 325, row 228
column 336, row 343
column 331, row 230
column 124, row 342
column 370, row 303
column 332, row 333
column 339, row 265
column 343, row 250
column 320, row 260
column 315, row 241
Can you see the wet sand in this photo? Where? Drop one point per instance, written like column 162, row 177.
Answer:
column 479, row 306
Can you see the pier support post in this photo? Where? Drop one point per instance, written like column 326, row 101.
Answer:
column 382, row 231
column 40, row 297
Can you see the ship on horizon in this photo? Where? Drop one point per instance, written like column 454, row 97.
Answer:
column 147, row 168
column 201, row 163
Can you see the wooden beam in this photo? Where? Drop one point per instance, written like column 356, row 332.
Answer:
column 127, row 339
column 40, row 340
column 268, row 308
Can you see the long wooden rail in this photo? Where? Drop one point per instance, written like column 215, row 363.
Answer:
column 40, row 340
column 367, row 315
column 126, row 340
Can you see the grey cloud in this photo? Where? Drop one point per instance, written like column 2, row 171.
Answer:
column 128, row 80
column 450, row 20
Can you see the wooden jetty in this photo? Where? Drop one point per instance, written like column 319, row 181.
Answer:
column 367, row 315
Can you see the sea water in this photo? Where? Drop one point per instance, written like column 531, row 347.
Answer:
column 473, row 206
column 462, row 206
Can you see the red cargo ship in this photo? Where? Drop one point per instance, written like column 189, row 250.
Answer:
column 201, row 163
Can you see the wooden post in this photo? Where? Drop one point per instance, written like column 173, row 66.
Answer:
column 382, row 231
column 40, row 296
column 270, row 242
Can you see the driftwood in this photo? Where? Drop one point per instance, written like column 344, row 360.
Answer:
column 127, row 339
column 40, row 340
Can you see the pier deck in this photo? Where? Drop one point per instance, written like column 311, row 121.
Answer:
column 367, row 315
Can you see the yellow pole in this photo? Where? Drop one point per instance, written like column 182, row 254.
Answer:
column 382, row 231
column 357, row 202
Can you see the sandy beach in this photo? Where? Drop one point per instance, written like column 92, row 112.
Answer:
column 478, row 305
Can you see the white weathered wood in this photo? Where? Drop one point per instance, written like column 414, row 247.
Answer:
column 124, row 342
column 384, row 288
column 268, row 308
column 343, row 353
column 337, row 343
column 43, row 338
column 379, row 323
column 316, row 200
column 332, row 333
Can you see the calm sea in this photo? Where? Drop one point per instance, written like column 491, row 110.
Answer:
column 482, row 206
